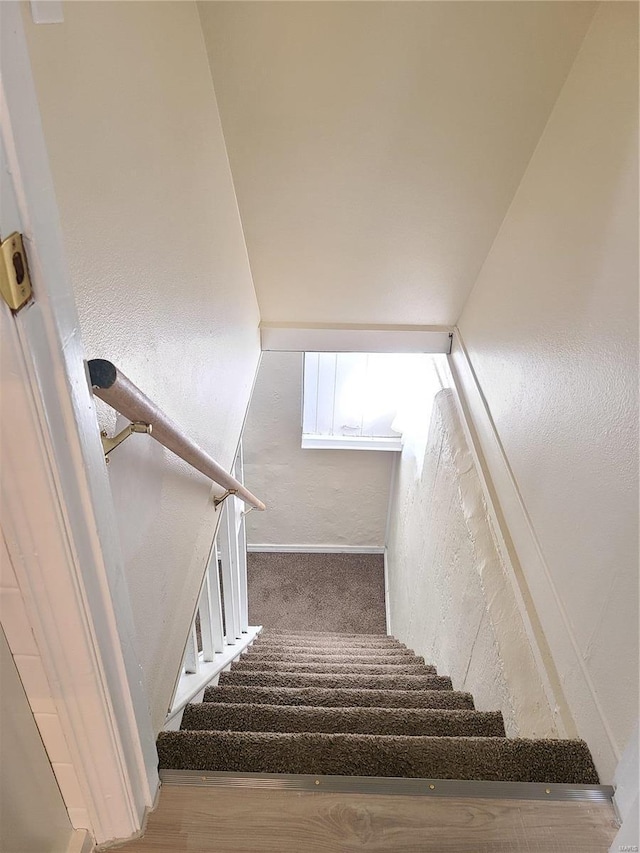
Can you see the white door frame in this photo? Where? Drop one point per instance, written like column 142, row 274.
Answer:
column 64, row 567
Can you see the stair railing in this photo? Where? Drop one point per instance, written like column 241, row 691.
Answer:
column 113, row 387
column 220, row 630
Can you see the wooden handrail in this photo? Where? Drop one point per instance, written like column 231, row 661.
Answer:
column 112, row 386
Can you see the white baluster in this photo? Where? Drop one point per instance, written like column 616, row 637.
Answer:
column 215, row 600
column 191, row 660
column 242, row 547
column 206, row 621
column 229, row 576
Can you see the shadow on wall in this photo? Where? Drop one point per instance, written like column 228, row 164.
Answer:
column 317, row 592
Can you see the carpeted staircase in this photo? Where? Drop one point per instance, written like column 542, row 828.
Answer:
column 356, row 705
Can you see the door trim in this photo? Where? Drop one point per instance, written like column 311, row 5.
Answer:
column 58, row 518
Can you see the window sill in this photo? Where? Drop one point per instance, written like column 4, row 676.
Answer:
column 350, row 442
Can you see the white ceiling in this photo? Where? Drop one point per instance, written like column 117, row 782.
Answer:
column 376, row 146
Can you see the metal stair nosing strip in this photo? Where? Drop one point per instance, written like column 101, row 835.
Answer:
column 553, row 792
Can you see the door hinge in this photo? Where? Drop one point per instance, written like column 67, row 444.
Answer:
column 15, row 282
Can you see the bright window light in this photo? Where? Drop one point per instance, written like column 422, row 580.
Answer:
column 365, row 400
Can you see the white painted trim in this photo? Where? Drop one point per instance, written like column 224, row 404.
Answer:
column 80, row 842
column 192, row 684
column 47, row 12
column 552, row 639
column 387, row 603
column 229, row 517
column 627, row 779
column 351, row 442
column 387, row 528
column 227, row 547
column 58, row 517
column 314, row 549
column 628, row 836
column 241, row 536
column 392, row 487
column 286, row 337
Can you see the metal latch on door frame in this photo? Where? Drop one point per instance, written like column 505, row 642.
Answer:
column 15, row 281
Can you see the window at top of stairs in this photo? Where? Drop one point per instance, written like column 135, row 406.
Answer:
column 363, row 401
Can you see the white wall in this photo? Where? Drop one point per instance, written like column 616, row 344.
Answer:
column 33, row 818
column 314, row 497
column 450, row 595
column 551, row 330
column 375, row 147
column 161, row 278
column 627, row 795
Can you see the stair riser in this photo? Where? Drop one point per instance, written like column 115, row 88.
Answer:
column 380, row 721
column 491, row 759
column 337, row 698
column 360, row 682
column 337, row 668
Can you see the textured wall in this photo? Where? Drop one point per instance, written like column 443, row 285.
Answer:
column 161, row 278
column 449, row 596
column 33, row 817
column 314, row 497
column 551, row 329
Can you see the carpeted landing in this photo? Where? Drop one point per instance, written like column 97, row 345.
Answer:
column 356, row 705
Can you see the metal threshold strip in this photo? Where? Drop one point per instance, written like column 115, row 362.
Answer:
column 453, row 788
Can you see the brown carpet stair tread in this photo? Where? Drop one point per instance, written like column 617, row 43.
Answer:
column 325, row 635
column 363, row 655
column 310, row 635
column 284, row 718
column 325, row 697
column 330, row 643
column 354, row 651
column 248, row 665
column 329, row 660
column 491, row 759
column 356, row 704
column 355, row 682
column 328, row 648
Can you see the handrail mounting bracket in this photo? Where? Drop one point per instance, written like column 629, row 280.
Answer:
column 109, row 444
column 222, row 498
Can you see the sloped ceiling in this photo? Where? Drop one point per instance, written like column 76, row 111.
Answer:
column 376, row 146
